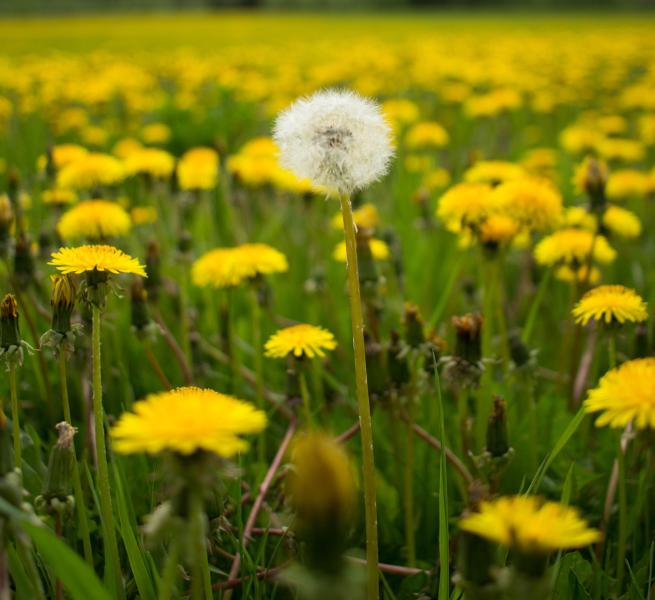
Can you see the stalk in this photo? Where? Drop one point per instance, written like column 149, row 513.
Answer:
column 408, row 487
column 200, row 566
column 362, row 399
column 168, row 574
column 14, row 416
column 106, row 509
column 306, row 402
column 623, row 519
column 259, row 370
column 77, row 482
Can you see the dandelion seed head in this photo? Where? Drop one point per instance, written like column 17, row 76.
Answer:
column 336, row 139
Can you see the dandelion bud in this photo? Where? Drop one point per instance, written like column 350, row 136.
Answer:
column 23, row 260
column 322, row 493
column 468, row 331
column 368, row 271
column 139, row 306
column 55, row 496
column 414, row 335
column 62, row 300
column 591, row 177
column 518, row 350
column 377, row 375
column 497, row 444
column 9, row 330
column 153, row 270
column 397, row 361
column 184, row 242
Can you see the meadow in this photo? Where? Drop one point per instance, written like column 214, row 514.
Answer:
column 189, row 369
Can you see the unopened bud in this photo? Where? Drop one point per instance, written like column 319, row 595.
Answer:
column 497, row 444
column 397, row 361
column 153, row 270
column 468, row 331
column 23, row 260
column 9, row 329
column 139, row 306
column 62, row 300
column 414, row 335
column 57, row 482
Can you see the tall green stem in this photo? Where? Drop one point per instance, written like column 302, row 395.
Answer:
column 408, row 487
column 259, row 368
column 14, row 416
column 623, row 518
column 169, row 571
column 362, row 399
column 106, row 509
column 200, row 567
column 77, row 483
column 304, row 393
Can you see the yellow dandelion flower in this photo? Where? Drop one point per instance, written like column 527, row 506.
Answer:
column 493, row 172
column 400, row 111
column 91, row 170
column 126, row 146
column 533, row 202
column 143, row 215
column 530, row 525
column 624, row 394
column 540, row 161
column 198, row 169
column 426, row 134
column 436, row 179
column 94, row 220
column 577, row 216
column 379, row 250
column 498, row 230
column 300, row 340
column 628, row 183
column 464, row 204
column 226, row 267
column 568, row 274
column 622, row 222
column 64, row 154
column 573, row 245
column 621, row 149
column 185, row 420
column 82, row 259
column 155, row 133
column 579, row 138
column 365, row 217
column 150, row 161
column 610, row 304
column 58, row 196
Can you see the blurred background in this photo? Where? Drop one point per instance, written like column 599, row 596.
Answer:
column 65, row 6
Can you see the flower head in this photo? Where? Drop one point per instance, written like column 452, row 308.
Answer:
column 464, row 204
column 498, row 230
column 150, row 161
column 58, row 196
column 83, row 259
column 622, row 222
column 198, row 169
column 94, row 220
column 185, row 420
column 572, row 245
column 610, row 304
column 533, row 202
column 336, row 139
column 530, row 525
column 493, row 172
column 226, row 267
column 300, row 340
column 90, row 170
column 625, row 393
column 365, row 217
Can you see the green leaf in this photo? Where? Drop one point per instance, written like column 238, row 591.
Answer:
column 135, row 553
column 75, row 574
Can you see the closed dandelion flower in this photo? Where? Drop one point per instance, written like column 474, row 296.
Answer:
column 530, row 525
column 84, row 259
column 94, row 220
column 622, row 222
column 198, row 169
column 610, row 304
column 154, row 162
column 186, row 420
column 573, row 246
column 336, row 139
column 464, row 204
column 493, row 172
column 534, row 203
column 590, row 176
column 300, row 340
column 90, row 171
column 625, row 394
column 227, row 267
column 379, row 250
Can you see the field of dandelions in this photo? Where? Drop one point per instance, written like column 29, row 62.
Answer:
column 327, row 308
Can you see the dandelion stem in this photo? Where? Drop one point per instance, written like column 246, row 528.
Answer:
column 362, row 399
column 306, row 402
column 106, row 509
column 536, row 304
column 77, row 483
column 611, row 350
column 623, row 517
column 169, row 571
column 14, row 416
column 408, row 487
column 200, row 564
column 259, row 369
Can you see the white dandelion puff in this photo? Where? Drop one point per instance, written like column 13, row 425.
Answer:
column 336, row 139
